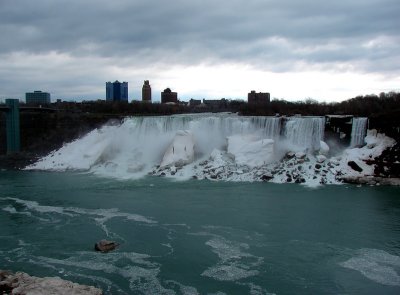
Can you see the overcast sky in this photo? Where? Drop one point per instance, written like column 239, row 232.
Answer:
column 325, row 50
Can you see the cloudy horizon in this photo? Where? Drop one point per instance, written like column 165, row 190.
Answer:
column 201, row 49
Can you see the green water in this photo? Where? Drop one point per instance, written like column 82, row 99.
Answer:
column 201, row 237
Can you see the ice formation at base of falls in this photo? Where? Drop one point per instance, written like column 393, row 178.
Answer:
column 215, row 146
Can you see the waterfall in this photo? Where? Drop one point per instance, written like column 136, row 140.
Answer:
column 139, row 144
column 210, row 131
column 358, row 131
column 305, row 132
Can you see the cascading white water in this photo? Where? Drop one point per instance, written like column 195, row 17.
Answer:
column 358, row 132
column 305, row 132
column 139, row 144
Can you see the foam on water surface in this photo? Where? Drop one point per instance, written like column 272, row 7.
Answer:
column 234, row 263
column 376, row 265
column 104, row 214
column 141, row 274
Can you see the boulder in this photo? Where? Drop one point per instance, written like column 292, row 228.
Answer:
column 321, row 158
column 266, row 177
column 105, row 246
column 353, row 165
column 22, row 283
column 290, row 155
column 300, row 155
column 324, row 148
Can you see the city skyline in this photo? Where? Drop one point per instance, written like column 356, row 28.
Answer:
column 208, row 49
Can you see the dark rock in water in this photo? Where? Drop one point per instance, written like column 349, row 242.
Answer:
column 353, row 165
column 266, row 177
column 318, row 166
column 300, row 180
column 105, row 246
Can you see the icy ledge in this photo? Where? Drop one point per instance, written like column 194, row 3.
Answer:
column 241, row 162
column 22, row 283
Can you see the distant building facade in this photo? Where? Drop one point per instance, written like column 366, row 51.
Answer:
column 216, row 103
column 168, row 96
column 260, row 97
column 117, row 91
column 194, row 102
column 146, row 91
column 37, row 97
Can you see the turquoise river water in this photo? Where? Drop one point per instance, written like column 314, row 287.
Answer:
column 201, row 237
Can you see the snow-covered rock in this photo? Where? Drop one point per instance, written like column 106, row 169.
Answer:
column 181, row 150
column 376, row 143
column 324, row 148
column 22, row 283
column 250, row 150
column 320, row 158
column 300, row 155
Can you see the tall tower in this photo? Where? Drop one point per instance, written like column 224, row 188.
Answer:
column 146, row 91
column 117, row 91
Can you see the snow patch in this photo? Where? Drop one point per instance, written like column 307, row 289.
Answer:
column 250, row 150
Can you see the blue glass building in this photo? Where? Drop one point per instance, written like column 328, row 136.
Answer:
column 117, row 91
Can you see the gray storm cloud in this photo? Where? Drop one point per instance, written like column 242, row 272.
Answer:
column 273, row 35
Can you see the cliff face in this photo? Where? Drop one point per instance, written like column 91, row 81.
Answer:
column 44, row 132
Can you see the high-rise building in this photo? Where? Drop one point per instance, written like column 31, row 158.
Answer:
column 37, row 97
column 168, row 96
column 146, row 91
column 260, row 97
column 117, row 91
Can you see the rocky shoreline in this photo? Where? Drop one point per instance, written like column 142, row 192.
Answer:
column 372, row 180
column 21, row 283
column 17, row 161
